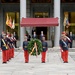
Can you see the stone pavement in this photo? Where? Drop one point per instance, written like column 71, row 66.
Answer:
column 53, row 66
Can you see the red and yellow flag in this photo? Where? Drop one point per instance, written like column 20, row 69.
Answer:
column 9, row 21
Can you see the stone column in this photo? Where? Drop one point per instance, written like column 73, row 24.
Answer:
column 22, row 14
column 57, row 14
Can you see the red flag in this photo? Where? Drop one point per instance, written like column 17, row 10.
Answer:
column 7, row 20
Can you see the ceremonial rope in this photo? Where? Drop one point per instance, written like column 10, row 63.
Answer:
column 35, row 47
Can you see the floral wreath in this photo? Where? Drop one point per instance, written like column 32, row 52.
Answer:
column 34, row 47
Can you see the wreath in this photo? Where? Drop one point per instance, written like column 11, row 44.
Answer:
column 34, row 47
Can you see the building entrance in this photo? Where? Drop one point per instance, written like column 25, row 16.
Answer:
column 39, row 29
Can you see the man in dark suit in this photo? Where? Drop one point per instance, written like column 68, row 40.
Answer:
column 42, row 35
column 44, row 48
column 26, row 54
column 34, row 36
column 71, row 38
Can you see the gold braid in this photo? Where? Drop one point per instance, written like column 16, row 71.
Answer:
column 35, row 47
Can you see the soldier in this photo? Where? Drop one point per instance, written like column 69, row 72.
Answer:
column 45, row 48
column 2, row 34
column 60, row 46
column 10, row 47
column 64, row 47
column 12, row 44
column 26, row 54
column 4, row 49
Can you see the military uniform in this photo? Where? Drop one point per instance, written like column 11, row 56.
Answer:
column 4, row 50
column 11, row 47
column 12, row 44
column 64, row 47
column 9, row 50
column 26, row 54
column 44, row 47
column 61, row 49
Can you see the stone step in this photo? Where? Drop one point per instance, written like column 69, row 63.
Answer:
column 49, row 49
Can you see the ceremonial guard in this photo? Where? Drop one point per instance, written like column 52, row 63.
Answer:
column 4, row 48
column 2, row 34
column 45, row 48
column 26, row 54
column 12, row 45
column 60, row 46
column 9, row 45
column 64, row 48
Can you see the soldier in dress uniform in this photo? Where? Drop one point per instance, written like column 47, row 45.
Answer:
column 62, row 36
column 67, row 40
column 4, row 49
column 12, row 44
column 45, row 48
column 9, row 45
column 64, row 47
column 26, row 54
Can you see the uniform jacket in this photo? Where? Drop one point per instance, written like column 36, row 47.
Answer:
column 44, row 46
column 9, row 42
column 3, row 47
column 25, row 44
column 63, row 44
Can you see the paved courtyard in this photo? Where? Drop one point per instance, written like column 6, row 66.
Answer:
column 53, row 66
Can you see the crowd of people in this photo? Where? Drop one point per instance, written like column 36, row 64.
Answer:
column 8, row 43
column 35, row 36
column 44, row 47
column 7, row 46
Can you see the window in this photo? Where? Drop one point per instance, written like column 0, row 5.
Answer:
column 40, row 1
column 10, row 1
column 67, row 1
